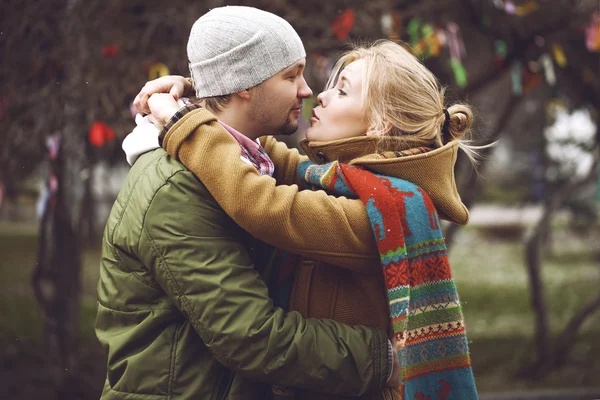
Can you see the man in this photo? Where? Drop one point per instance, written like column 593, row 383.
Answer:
column 182, row 311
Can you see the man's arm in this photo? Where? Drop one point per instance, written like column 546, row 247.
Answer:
column 203, row 266
column 310, row 223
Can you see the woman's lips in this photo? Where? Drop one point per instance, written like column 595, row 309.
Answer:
column 314, row 114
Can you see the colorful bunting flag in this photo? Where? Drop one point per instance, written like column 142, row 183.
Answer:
column 455, row 41
column 343, row 24
column 510, row 7
column 391, row 23
column 460, row 74
column 515, row 75
column 530, row 80
column 548, row 66
column 499, row 4
column 110, row 50
column 53, row 145
column 413, row 30
column 100, row 134
column 592, row 33
column 526, row 9
column 157, row 70
column 501, row 51
column 429, row 44
column 559, row 55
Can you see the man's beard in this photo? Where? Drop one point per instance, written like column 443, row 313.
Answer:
column 288, row 128
column 257, row 113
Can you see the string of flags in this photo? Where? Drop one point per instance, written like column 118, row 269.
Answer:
column 520, row 10
column 426, row 40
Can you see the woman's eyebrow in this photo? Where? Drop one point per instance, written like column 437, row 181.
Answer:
column 343, row 78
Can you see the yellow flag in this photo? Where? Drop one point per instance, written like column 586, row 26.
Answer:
column 559, row 55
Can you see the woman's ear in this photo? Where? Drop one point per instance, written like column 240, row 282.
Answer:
column 373, row 131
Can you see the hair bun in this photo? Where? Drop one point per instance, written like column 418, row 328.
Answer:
column 461, row 119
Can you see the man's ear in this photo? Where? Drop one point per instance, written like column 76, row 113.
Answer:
column 373, row 131
column 244, row 94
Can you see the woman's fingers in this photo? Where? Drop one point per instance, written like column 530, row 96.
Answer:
column 172, row 84
column 162, row 107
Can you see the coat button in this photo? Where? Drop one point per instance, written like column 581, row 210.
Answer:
column 321, row 157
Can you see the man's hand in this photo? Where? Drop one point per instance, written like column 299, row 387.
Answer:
column 162, row 107
column 175, row 85
column 395, row 380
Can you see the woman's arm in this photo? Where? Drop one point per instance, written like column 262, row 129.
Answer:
column 285, row 160
column 312, row 224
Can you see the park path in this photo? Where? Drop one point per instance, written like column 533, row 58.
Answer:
column 550, row 394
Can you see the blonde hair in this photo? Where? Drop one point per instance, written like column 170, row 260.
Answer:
column 403, row 98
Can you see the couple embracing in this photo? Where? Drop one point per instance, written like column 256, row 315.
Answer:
column 236, row 268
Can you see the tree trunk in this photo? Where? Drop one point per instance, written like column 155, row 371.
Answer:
column 56, row 278
column 533, row 256
column 546, row 358
column 567, row 338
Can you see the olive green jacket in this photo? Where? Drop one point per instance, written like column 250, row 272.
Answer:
column 184, row 313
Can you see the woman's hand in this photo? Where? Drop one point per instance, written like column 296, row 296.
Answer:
column 162, row 107
column 175, row 85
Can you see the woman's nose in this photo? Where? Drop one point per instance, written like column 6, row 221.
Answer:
column 321, row 98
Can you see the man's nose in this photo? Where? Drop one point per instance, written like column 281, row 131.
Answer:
column 304, row 91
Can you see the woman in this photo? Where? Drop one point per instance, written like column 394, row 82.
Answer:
column 383, row 112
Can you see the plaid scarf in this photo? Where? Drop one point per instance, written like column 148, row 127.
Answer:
column 424, row 306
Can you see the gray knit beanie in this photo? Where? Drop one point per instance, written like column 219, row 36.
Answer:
column 234, row 48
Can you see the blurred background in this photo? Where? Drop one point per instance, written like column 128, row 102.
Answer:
column 527, row 266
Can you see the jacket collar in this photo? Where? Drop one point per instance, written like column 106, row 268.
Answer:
column 433, row 170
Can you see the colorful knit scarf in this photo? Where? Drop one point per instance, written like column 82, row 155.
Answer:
column 425, row 310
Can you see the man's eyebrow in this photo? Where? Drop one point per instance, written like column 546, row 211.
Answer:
column 295, row 68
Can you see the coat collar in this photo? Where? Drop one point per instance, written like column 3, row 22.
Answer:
column 433, row 170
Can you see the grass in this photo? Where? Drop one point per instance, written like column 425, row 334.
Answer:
column 493, row 285
column 19, row 313
column 490, row 275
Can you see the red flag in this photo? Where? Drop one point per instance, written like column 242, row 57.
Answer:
column 100, row 133
column 110, row 50
column 343, row 24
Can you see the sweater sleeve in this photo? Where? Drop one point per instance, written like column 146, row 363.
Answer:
column 313, row 224
column 286, row 161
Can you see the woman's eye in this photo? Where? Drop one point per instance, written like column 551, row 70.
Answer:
column 341, row 92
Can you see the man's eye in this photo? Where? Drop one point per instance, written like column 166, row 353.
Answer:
column 293, row 78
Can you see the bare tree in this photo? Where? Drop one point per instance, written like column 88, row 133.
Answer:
column 56, row 278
